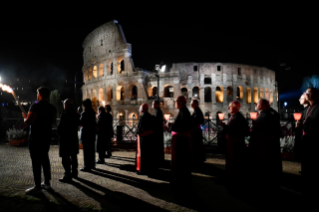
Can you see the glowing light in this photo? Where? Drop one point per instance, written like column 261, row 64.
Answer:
column 297, row 116
column 163, row 68
column 253, row 115
column 103, row 103
column 167, row 116
column 221, row 116
column 285, row 103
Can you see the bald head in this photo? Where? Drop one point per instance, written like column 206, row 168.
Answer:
column 144, row 108
column 67, row 103
column 180, row 102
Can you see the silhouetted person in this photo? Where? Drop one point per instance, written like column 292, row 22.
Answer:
column 236, row 130
column 145, row 147
column 181, row 140
column 68, row 140
column 310, row 140
column 158, row 134
column 88, row 129
column 110, row 130
column 265, row 147
column 41, row 116
column 198, row 153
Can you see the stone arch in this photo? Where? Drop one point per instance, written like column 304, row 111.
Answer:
column 261, row 93
column 271, row 99
column 120, row 115
column 132, row 119
column 267, row 94
column 86, row 75
column 133, row 92
column 240, row 93
column 90, row 73
column 256, row 95
column 101, row 94
column 95, row 102
column 248, row 95
column 119, row 93
column 219, row 94
column 229, row 93
column 109, row 94
column 120, row 65
column 208, row 94
column 95, row 72
column 184, row 92
column 101, row 70
column 168, row 91
column 110, row 67
column 196, row 92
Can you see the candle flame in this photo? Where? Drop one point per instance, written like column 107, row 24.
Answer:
column 6, row 88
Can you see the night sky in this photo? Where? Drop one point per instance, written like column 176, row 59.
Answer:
column 43, row 43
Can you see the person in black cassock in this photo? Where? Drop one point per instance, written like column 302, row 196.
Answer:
column 88, row 129
column 181, row 140
column 145, row 158
column 68, row 140
column 110, row 130
column 41, row 116
column 104, row 125
column 158, row 133
column 198, row 153
column 310, row 140
column 265, row 147
column 236, row 130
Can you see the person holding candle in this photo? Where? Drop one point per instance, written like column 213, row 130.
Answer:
column 265, row 147
column 158, row 133
column 198, row 153
column 40, row 117
column 236, row 130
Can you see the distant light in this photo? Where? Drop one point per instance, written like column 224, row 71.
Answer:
column 163, row 68
column 195, row 95
column 0, row 79
column 7, row 104
column 285, row 103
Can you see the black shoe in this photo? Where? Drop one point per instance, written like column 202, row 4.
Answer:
column 65, row 179
column 85, row 169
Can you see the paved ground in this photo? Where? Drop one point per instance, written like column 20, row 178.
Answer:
column 114, row 186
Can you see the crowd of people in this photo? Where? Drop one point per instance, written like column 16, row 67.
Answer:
column 258, row 163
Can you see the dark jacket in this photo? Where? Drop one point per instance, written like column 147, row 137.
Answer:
column 105, row 130
column 68, row 133
column 88, row 123
column 183, row 121
column 237, row 127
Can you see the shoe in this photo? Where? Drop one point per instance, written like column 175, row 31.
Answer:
column 33, row 190
column 65, row 179
column 100, row 162
column 46, row 185
column 85, row 170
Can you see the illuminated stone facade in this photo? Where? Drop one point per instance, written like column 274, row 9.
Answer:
column 110, row 76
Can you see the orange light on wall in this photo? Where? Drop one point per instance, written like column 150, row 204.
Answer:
column 253, row 115
column 167, row 117
column 221, row 116
column 297, row 116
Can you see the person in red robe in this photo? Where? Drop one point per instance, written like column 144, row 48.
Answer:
column 236, row 130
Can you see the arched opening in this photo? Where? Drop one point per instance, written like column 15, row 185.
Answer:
column 134, row 93
column 95, row 103
column 133, row 119
column 120, row 65
column 101, row 94
column 168, row 91
column 229, row 93
column 208, row 94
column 101, row 70
column 196, row 92
column 267, row 94
column 154, row 91
column 248, row 95
column 261, row 93
column 219, row 94
column 120, row 93
column 90, row 74
column 184, row 92
column 255, row 95
column 239, row 92
column 109, row 94
column 86, row 75
column 271, row 99
column 95, row 71
column 110, row 68
column 120, row 115
column 207, row 80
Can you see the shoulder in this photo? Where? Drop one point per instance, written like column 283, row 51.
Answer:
column 34, row 107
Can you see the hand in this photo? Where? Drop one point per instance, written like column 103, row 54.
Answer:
column 24, row 115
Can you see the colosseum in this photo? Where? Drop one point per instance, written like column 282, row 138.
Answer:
column 110, row 77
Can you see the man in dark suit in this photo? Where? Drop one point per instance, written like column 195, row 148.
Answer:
column 158, row 133
column 68, row 140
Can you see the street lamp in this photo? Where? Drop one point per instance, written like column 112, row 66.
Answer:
column 161, row 68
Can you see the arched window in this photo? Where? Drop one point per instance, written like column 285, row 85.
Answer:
column 120, row 93
column 93, row 93
column 101, row 94
column 94, row 71
column 261, row 93
column 208, row 94
column 256, row 95
column 207, row 80
column 133, row 119
column 229, row 93
column 184, row 92
column 219, row 94
column 134, row 93
column 271, row 99
column 110, row 68
column 90, row 74
column 109, row 94
column 239, row 92
column 196, row 92
column 120, row 66
column 168, row 91
column 248, row 95
column 267, row 94
column 101, row 70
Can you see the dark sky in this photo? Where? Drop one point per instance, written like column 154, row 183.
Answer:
column 43, row 43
